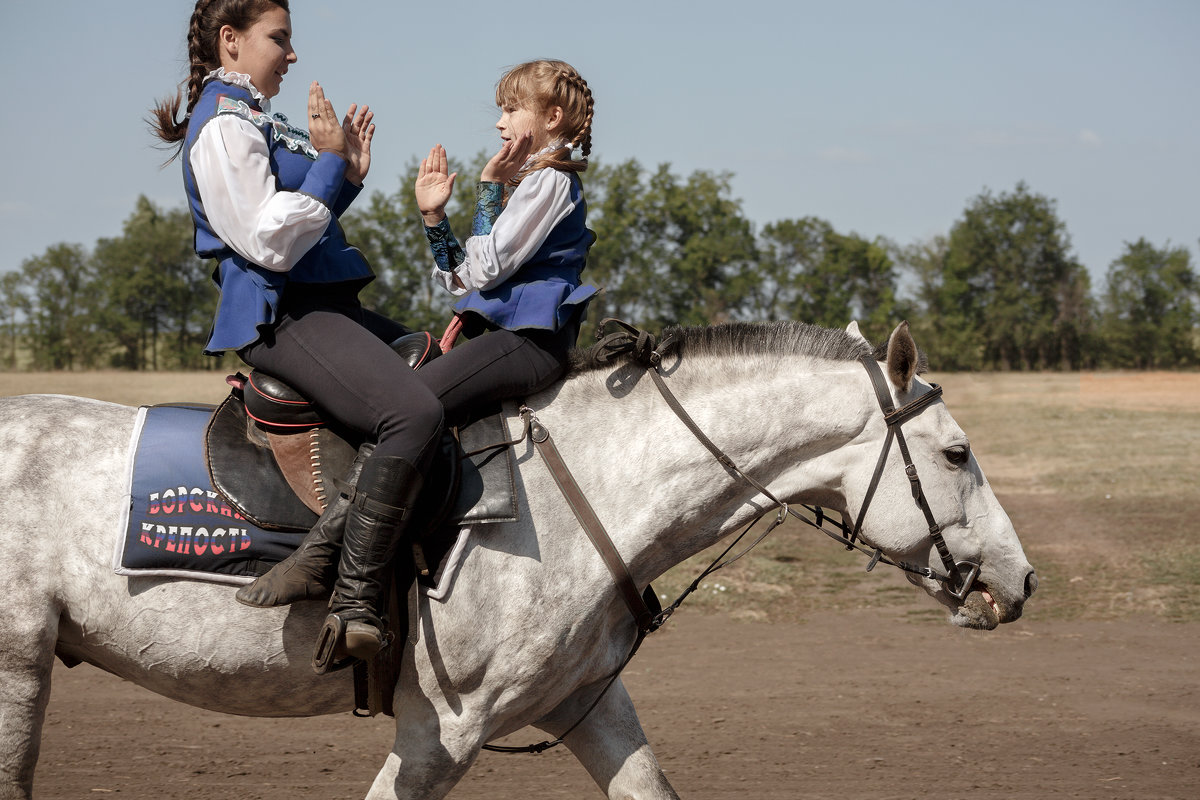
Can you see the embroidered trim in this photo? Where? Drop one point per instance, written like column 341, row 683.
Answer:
column 447, row 252
column 282, row 131
column 241, row 80
column 489, row 202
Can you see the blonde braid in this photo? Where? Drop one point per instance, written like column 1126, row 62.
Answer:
column 583, row 137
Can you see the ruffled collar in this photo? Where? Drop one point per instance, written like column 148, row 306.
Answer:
column 242, row 80
column 557, row 144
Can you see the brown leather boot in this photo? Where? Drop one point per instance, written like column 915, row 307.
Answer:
column 310, row 571
column 375, row 527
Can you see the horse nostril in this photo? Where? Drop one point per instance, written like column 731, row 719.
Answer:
column 1031, row 583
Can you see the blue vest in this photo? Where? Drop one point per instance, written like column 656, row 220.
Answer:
column 545, row 293
column 250, row 294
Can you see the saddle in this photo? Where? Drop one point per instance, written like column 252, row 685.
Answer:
column 278, row 460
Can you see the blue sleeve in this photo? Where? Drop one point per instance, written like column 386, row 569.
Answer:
column 325, row 178
column 345, row 197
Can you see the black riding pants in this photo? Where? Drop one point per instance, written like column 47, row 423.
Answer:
column 337, row 354
column 495, row 366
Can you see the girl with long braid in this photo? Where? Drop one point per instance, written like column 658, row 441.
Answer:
column 265, row 200
column 518, row 274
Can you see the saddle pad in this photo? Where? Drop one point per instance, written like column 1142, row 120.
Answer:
column 176, row 524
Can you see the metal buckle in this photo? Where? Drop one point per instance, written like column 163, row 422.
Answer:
column 967, row 572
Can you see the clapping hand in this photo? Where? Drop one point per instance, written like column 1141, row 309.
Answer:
column 434, row 186
column 359, row 130
column 323, row 129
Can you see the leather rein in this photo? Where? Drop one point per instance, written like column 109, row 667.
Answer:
column 644, row 606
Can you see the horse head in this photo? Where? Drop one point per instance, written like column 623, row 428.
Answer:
column 925, row 501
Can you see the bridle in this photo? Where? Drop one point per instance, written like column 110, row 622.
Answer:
column 959, row 575
column 957, row 580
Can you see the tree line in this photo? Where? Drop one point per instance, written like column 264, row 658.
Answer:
column 1000, row 290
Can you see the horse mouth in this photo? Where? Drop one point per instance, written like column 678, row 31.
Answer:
column 991, row 601
column 981, row 610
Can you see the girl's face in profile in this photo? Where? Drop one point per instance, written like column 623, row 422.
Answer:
column 263, row 51
column 517, row 120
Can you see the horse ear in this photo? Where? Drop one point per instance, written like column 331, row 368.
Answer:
column 902, row 357
column 853, row 330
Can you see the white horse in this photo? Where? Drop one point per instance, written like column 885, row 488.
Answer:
column 533, row 625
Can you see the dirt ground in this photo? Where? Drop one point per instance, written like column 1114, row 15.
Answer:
column 883, row 702
column 847, row 705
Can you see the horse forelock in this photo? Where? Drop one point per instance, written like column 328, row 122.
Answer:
column 741, row 340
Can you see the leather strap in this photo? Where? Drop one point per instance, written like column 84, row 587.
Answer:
column 599, row 537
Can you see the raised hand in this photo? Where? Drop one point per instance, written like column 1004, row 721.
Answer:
column 324, row 131
column 434, row 185
column 508, row 162
column 359, row 128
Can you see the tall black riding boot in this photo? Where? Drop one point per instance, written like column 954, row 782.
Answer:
column 379, row 514
column 309, row 572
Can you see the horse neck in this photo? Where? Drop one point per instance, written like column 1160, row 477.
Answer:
column 660, row 493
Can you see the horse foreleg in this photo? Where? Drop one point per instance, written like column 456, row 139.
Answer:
column 26, row 660
column 611, row 745
column 429, row 757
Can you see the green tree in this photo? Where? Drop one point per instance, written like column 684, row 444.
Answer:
column 668, row 250
column 619, row 262
column 807, row 271
column 1011, row 295
column 1151, row 307
column 57, row 302
column 10, row 308
column 701, row 248
column 153, row 290
column 925, row 263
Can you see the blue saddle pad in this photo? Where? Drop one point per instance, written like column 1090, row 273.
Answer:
column 178, row 524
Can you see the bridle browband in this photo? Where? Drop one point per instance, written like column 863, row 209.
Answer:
column 643, row 606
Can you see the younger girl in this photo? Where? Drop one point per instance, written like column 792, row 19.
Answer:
column 518, row 274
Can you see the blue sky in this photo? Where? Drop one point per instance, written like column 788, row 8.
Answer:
column 885, row 118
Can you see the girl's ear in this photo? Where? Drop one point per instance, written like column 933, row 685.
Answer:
column 228, row 39
column 554, row 118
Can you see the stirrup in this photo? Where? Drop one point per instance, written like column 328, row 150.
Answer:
column 331, row 651
column 326, row 657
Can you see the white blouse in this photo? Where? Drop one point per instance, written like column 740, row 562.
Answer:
column 536, row 206
column 231, row 163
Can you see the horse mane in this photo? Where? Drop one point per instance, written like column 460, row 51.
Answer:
column 738, row 339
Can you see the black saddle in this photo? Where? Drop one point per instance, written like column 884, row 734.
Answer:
column 277, row 460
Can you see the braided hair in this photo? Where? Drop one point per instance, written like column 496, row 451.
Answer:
column 541, row 85
column 208, row 17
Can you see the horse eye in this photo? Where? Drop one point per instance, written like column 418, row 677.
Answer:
column 958, row 455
